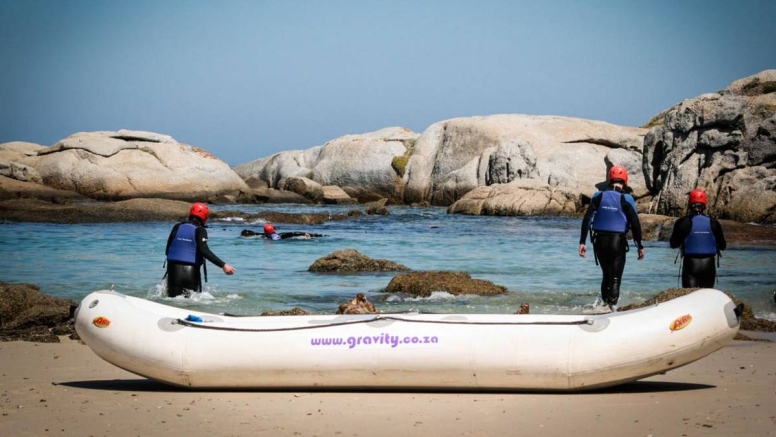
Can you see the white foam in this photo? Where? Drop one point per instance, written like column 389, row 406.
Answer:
column 230, row 219
column 208, row 296
column 436, row 296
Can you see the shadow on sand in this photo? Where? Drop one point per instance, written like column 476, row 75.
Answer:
column 146, row 385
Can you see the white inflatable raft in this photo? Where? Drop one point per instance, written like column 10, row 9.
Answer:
column 404, row 351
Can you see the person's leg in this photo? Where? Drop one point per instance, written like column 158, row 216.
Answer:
column 611, row 257
column 182, row 277
column 708, row 272
column 174, row 286
column 619, row 248
column 602, row 255
column 698, row 272
column 606, row 280
column 689, row 274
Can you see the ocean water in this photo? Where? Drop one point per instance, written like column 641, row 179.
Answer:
column 534, row 257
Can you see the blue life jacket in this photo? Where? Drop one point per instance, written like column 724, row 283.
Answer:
column 609, row 217
column 700, row 240
column 183, row 248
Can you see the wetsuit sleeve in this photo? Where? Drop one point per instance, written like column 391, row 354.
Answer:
column 679, row 233
column 169, row 239
column 201, row 236
column 628, row 207
column 594, row 203
column 716, row 229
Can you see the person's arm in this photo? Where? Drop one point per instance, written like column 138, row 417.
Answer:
column 719, row 236
column 594, row 202
column 629, row 208
column 680, row 232
column 591, row 208
column 201, row 236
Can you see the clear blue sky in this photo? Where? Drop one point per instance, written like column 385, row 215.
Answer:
column 246, row 79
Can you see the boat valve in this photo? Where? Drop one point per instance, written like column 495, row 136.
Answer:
column 739, row 310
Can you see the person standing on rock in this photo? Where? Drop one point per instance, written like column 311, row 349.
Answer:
column 609, row 216
column 701, row 239
column 187, row 251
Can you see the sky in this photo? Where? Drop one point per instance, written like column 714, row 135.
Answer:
column 247, row 79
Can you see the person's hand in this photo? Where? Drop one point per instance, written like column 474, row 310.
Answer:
column 229, row 270
column 642, row 252
column 582, row 250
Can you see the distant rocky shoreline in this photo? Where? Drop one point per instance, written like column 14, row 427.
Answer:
column 139, row 210
column 723, row 142
column 655, row 227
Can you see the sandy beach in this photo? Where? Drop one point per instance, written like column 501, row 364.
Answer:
column 64, row 389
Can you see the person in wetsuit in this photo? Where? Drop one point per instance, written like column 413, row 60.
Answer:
column 187, row 251
column 270, row 233
column 701, row 240
column 609, row 216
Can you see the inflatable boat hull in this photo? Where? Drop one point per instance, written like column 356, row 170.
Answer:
column 404, row 351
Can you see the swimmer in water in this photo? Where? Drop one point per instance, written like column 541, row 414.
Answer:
column 272, row 234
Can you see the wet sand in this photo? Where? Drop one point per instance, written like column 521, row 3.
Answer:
column 64, row 389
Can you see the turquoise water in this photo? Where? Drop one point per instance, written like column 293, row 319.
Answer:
column 534, row 257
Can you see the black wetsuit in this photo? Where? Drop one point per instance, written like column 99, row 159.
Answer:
column 186, row 276
column 697, row 270
column 278, row 236
column 610, row 248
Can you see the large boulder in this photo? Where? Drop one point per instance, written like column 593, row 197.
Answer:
column 723, row 143
column 29, row 315
column 377, row 207
column 360, row 164
column 19, row 149
column 353, row 261
column 520, row 197
column 334, row 195
column 11, row 188
column 295, row 311
column 422, row 284
column 453, row 157
column 302, row 186
column 10, row 156
column 262, row 195
column 129, row 164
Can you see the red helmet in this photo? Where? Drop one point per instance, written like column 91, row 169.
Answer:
column 200, row 210
column 698, row 196
column 618, row 172
column 269, row 229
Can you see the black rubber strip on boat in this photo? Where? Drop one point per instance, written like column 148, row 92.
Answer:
column 375, row 319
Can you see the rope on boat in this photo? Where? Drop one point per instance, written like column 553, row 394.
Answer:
column 375, row 319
